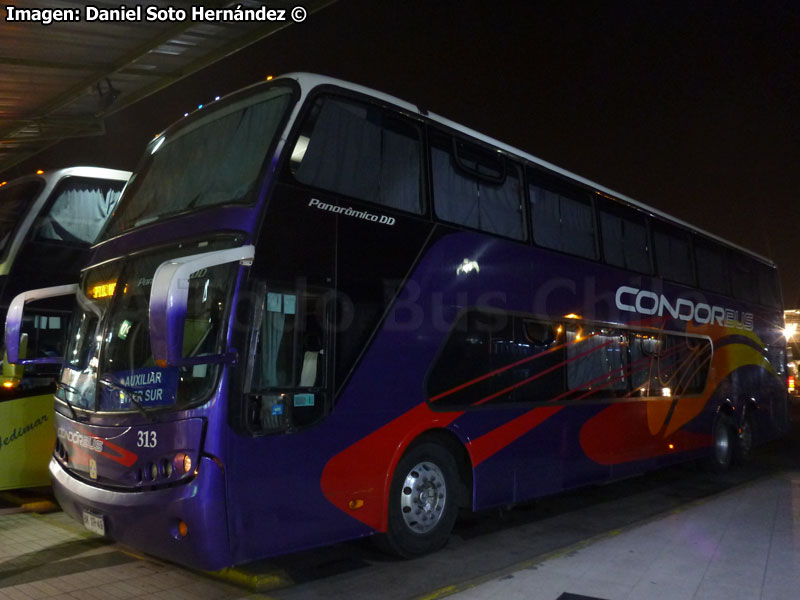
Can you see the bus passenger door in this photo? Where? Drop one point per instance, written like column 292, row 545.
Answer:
column 287, row 383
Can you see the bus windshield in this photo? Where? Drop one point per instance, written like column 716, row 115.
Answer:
column 113, row 314
column 212, row 161
column 14, row 203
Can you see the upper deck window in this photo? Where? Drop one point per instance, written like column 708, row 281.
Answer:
column 212, row 161
column 625, row 242
column 744, row 279
column 753, row 281
column 361, row 151
column 673, row 253
column 563, row 220
column 712, row 267
column 477, row 188
column 768, row 287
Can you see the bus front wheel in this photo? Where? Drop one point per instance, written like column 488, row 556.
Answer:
column 422, row 501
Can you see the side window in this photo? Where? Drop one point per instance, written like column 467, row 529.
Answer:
column 360, row 151
column 744, row 278
column 596, row 362
column 644, row 349
column 624, row 234
column 768, row 288
column 289, row 369
column 496, row 358
column 462, row 374
column 668, row 365
column 673, row 253
column 476, row 188
column 493, row 358
column 79, row 209
column 563, row 220
column 712, row 267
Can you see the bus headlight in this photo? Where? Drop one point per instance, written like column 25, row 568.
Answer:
column 183, row 463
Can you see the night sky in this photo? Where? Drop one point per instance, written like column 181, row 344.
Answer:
column 690, row 107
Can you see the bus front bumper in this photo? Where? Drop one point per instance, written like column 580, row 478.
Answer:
column 150, row 520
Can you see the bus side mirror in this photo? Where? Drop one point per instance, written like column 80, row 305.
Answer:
column 14, row 322
column 13, row 372
column 169, row 296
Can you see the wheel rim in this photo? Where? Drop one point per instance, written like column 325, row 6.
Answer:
column 423, row 497
column 721, row 443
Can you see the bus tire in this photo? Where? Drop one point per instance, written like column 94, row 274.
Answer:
column 744, row 441
column 723, row 436
column 423, row 501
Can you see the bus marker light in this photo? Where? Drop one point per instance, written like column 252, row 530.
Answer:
column 183, row 529
column 161, row 362
column 39, row 172
column 672, row 446
column 355, row 504
column 572, row 316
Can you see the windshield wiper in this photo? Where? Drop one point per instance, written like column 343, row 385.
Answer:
column 131, row 394
column 65, row 386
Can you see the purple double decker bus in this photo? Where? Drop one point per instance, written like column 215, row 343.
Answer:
column 321, row 313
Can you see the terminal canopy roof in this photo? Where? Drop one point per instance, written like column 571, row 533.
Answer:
column 61, row 80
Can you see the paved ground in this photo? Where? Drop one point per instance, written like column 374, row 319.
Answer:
column 743, row 544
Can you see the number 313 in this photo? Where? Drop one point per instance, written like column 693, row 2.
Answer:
column 147, row 439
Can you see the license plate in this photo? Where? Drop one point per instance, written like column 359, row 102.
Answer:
column 94, row 523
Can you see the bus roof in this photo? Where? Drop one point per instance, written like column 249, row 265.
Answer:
column 308, row 81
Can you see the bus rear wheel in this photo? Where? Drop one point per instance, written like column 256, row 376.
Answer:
column 744, row 441
column 422, row 501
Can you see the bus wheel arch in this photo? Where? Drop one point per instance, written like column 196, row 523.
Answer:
column 428, row 486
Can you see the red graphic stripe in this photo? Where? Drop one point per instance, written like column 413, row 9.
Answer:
column 363, row 471
column 124, row 457
column 491, row 443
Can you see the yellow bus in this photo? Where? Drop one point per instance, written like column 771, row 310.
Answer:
column 48, row 221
